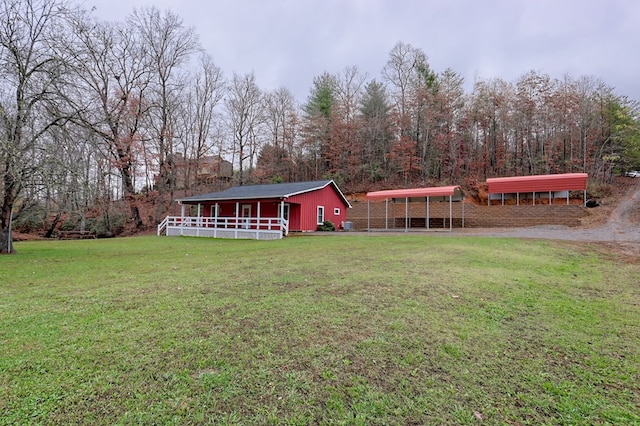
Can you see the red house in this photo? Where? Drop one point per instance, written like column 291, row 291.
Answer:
column 259, row 211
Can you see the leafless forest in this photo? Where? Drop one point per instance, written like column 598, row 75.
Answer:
column 97, row 117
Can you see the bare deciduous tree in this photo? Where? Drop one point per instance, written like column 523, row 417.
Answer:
column 245, row 110
column 29, row 73
column 112, row 78
column 277, row 158
column 198, row 115
column 169, row 46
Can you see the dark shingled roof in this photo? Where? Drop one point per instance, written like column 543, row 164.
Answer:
column 257, row 192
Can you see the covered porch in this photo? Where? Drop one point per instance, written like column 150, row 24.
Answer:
column 259, row 220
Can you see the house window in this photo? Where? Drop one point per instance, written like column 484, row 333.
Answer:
column 320, row 215
column 336, row 211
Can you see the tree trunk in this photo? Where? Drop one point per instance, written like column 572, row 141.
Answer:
column 6, row 243
column 135, row 214
column 129, row 189
column 52, row 228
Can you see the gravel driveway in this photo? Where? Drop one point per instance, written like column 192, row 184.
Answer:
column 622, row 226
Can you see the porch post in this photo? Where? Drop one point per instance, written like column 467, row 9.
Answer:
column 215, row 221
column 258, row 222
column 283, row 231
column 237, row 219
column 199, row 220
column 183, row 213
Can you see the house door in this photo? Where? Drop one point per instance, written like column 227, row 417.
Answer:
column 246, row 215
column 285, row 211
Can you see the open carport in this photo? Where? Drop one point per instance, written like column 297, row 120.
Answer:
column 404, row 197
column 547, row 187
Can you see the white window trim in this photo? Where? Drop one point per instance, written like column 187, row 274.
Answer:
column 285, row 211
column 318, row 215
column 336, row 211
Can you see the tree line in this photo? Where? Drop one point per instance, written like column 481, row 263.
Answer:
column 92, row 112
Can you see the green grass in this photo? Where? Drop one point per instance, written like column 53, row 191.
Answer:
column 353, row 330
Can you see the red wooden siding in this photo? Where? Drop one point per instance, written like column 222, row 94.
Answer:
column 294, row 217
column 308, row 204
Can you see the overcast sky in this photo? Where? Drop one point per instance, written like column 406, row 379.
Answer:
column 289, row 42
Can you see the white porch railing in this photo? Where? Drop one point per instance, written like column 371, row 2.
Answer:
column 225, row 227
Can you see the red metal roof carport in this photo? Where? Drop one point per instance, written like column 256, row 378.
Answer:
column 537, row 184
column 442, row 193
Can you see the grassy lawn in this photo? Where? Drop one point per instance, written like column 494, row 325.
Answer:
column 354, row 330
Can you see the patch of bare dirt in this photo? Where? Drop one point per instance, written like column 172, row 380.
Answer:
column 613, row 203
